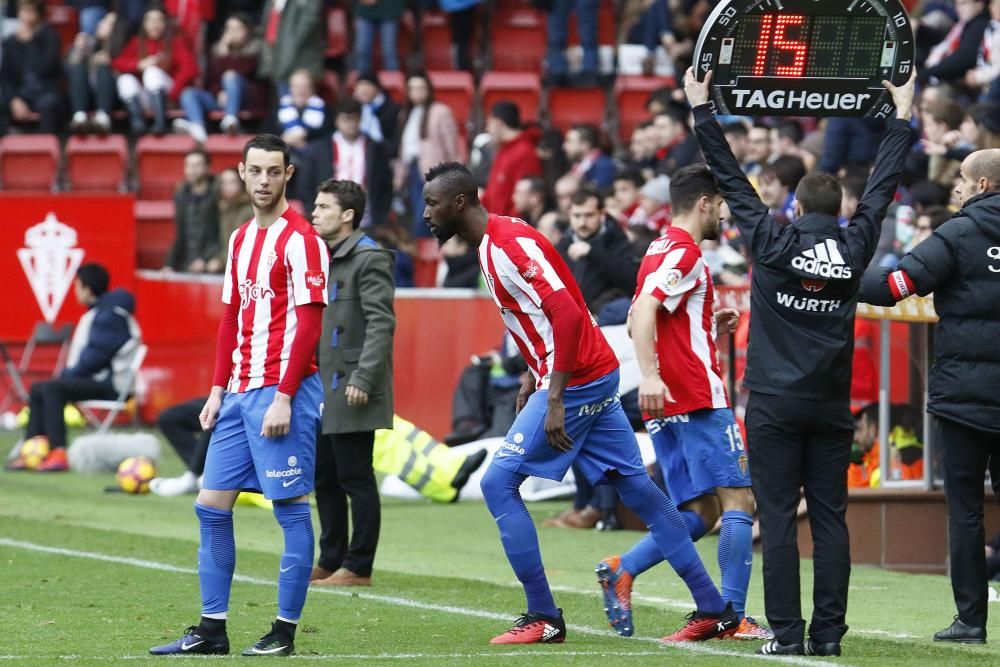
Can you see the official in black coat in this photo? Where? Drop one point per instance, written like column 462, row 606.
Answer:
column 799, row 426
column 960, row 264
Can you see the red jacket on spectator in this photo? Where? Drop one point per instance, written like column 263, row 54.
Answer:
column 182, row 67
column 514, row 160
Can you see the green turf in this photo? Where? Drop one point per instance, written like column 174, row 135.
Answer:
column 442, row 589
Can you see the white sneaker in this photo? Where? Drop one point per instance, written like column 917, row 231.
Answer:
column 79, row 121
column 230, row 124
column 198, row 133
column 103, row 121
column 181, row 126
column 169, row 487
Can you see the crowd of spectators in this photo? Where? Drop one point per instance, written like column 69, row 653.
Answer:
column 234, row 65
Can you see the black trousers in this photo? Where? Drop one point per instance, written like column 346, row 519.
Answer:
column 46, row 102
column 182, row 428
column 344, row 471
column 967, row 452
column 48, row 399
column 86, row 93
column 796, row 443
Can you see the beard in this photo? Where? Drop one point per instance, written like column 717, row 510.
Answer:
column 711, row 233
column 275, row 197
column 441, row 234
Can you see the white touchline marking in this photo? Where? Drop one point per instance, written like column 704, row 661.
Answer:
column 398, row 601
column 529, row 652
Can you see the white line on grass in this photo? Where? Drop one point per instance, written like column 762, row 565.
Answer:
column 382, row 656
column 393, row 600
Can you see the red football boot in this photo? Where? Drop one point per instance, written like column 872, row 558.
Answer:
column 56, row 461
column 701, row 626
column 533, row 628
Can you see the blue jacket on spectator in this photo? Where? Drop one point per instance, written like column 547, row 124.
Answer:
column 105, row 334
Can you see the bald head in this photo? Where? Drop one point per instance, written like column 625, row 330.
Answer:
column 980, row 173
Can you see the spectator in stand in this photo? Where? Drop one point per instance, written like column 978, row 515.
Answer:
column 598, row 253
column 627, row 187
column 557, row 65
column 853, row 186
column 642, row 148
column 233, row 210
column 556, row 223
column 677, row 146
column 232, row 68
column 371, row 16
column 196, row 217
column 164, row 63
column 776, row 185
column 303, row 120
column 429, row 137
column 530, row 201
column 96, row 367
column 461, row 18
column 928, row 221
column 582, row 147
column 351, row 155
column 515, row 157
column 88, row 66
column 786, row 139
column 29, row 71
column 957, row 53
column 379, row 113
column 461, row 265
column 294, row 38
column 738, row 138
column 90, row 13
column 987, row 71
column 849, row 140
column 758, row 149
column 549, row 150
column 653, row 212
column 943, row 117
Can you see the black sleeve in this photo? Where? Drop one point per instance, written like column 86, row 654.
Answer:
column 50, row 49
column 875, row 287
column 751, row 215
column 932, row 262
column 963, row 59
column 866, row 225
column 617, row 263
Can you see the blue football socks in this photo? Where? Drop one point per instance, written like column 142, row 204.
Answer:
column 501, row 489
column 645, row 554
column 736, row 557
column 216, row 559
column 670, row 533
column 296, row 561
column 695, row 524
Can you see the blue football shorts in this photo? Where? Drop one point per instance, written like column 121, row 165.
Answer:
column 241, row 459
column 603, row 439
column 699, row 452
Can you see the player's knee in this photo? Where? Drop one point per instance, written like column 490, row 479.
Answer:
column 496, row 485
column 219, row 500
column 737, row 500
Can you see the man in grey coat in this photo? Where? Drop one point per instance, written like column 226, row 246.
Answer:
column 355, row 361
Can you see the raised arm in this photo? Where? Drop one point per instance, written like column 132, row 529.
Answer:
column 749, row 212
column 866, row 224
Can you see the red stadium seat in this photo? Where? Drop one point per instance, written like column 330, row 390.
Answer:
column 159, row 164
column 522, row 88
column 337, row 33
column 155, row 232
column 226, row 151
column 456, row 89
column 96, row 163
column 64, row 20
column 631, row 93
column 29, row 161
column 519, row 41
column 570, row 106
column 435, row 32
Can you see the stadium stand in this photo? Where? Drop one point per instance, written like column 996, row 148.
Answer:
column 96, row 164
column 159, row 163
column 29, row 162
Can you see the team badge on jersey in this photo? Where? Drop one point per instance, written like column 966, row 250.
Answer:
column 532, row 270
column 813, row 285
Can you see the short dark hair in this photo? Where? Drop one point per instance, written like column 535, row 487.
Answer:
column 854, row 185
column 690, row 184
column 94, row 277
column 270, row 144
column 790, row 128
column 788, row 169
column 508, row 113
column 457, row 180
column 587, row 133
column 632, row 175
column 676, row 114
column 348, row 194
column 585, row 194
column 349, row 106
column 820, row 193
column 536, row 184
column 200, row 151
column 736, row 128
column 946, row 111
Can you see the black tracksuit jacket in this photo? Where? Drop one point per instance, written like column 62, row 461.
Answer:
column 806, row 275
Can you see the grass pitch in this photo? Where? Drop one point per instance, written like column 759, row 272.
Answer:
column 93, row 578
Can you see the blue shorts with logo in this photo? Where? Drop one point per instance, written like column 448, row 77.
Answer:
column 699, row 452
column 241, row 459
column 603, row 439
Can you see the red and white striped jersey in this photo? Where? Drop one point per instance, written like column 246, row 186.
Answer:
column 270, row 272
column 675, row 274
column 522, row 268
